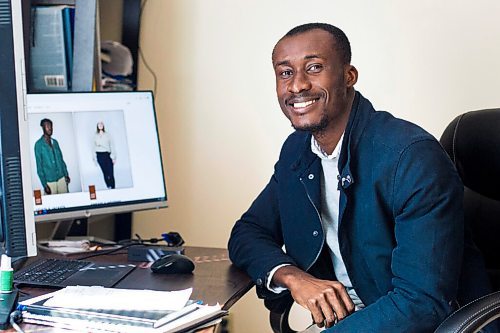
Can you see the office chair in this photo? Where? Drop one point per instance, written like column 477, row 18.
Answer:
column 472, row 140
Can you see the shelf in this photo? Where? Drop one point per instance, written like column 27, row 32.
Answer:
column 52, row 2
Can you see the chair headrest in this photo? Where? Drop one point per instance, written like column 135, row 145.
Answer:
column 472, row 140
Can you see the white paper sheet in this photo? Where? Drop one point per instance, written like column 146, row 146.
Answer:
column 38, row 298
column 95, row 297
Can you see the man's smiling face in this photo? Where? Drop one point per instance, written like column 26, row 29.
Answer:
column 311, row 81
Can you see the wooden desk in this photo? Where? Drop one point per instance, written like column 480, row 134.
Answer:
column 214, row 279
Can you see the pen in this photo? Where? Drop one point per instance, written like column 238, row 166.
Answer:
column 34, row 309
column 176, row 315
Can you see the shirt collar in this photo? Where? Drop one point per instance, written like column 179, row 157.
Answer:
column 315, row 147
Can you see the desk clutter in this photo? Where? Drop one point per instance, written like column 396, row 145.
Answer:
column 127, row 309
column 100, row 309
column 77, row 246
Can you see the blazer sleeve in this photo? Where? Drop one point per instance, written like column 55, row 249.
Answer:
column 256, row 242
column 429, row 234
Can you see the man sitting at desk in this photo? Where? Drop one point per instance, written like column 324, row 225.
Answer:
column 362, row 220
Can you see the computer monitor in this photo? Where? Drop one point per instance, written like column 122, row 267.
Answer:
column 17, row 227
column 94, row 153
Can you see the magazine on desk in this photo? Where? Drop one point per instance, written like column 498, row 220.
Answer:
column 175, row 312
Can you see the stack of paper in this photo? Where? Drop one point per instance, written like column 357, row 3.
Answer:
column 100, row 309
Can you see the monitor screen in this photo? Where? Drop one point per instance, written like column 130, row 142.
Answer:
column 94, row 153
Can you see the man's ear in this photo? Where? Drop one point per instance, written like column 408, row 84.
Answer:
column 351, row 75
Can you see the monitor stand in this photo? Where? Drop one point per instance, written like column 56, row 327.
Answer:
column 66, row 228
column 75, row 230
column 71, row 237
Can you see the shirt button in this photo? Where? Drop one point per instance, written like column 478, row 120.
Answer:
column 311, row 176
column 259, row 282
column 315, row 233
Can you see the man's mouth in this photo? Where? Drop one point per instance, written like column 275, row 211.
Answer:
column 299, row 105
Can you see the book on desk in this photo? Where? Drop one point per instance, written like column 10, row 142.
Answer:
column 110, row 317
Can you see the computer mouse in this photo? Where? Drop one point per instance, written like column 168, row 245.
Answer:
column 173, row 264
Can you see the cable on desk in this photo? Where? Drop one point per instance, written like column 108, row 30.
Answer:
column 173, row 239
column 102, row 253
column 16, row 317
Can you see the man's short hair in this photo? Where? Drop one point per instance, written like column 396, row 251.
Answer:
column 341, row 41
column 45, row 120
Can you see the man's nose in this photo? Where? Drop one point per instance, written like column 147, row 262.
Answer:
column 299, row 82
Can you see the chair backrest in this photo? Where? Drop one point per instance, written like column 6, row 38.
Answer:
column 472, row 140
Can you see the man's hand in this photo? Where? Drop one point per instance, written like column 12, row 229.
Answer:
column 327, row 301
column 47, row 189
column 68, row 180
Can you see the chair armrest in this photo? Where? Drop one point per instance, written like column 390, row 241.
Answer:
column 473, row 316
column 279, row 319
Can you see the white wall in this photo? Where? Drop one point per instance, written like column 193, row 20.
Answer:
column 221, row 127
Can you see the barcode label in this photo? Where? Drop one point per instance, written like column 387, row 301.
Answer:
column 54, row 80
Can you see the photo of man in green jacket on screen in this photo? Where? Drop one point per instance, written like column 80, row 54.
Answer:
column 50, row 165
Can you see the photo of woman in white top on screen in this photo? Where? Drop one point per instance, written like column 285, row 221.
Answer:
column 105, row 154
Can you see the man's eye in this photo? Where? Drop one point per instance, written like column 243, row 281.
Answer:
column 315, row 68
column 285, row 74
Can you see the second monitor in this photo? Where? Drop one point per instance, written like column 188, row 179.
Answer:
column 94, row 153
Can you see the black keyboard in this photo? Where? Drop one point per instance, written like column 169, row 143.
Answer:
column 49, row 272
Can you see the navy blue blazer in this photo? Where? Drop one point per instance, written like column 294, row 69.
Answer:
column 401, row 229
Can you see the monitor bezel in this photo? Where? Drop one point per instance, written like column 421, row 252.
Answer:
column 75, row 213
column 19, row 233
